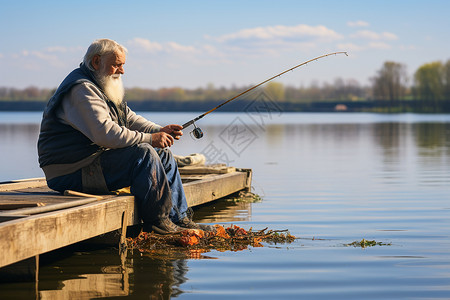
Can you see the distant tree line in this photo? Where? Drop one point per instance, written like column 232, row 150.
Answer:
column 31, row 93
column 389, row 90
column 430, row 89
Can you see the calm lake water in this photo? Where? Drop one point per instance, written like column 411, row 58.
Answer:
column 330, row 179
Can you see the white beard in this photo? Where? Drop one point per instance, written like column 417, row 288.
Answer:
column 113, row 87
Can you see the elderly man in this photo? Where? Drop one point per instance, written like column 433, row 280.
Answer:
column 91, row 141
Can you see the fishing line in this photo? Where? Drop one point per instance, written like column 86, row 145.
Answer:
column 198, row 133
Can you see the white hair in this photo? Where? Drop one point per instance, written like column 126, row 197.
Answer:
column 101, row 47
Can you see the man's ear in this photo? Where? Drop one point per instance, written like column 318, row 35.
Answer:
column 95, row 62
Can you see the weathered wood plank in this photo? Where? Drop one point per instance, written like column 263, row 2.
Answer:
column 209, row 188
column 15, row 204
column 38, row 234
column 9, row 218
column 22, row 184
column 48, row 208
column 206, row 170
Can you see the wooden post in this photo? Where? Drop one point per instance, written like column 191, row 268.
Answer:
column 25, row 270
column 123, row 233
column 248, row 182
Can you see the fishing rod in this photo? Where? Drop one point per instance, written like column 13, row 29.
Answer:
column 198, row 133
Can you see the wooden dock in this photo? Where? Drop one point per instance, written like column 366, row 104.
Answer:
column 35, row 220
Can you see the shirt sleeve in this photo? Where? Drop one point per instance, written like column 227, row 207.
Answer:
column 85, row 110
column 139, row 123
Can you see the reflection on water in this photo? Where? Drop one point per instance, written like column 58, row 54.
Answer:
column 225, row 211
column 158, row 278
column 101, row 273
column 87, row 275
column 139, row 275
column 90, row 286
column 330, row 179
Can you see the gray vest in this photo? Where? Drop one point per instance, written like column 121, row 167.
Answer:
column 59, row 143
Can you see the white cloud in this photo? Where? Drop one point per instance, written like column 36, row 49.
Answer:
column 141, row 44
column 274, row 40
column 57, row 49
column 53, row 60
column 407, row 47
column 350, row 47
column 368, row 39
column 175, row 47
column 145, row 45
column 34, row 53
column 379, row 45
column 42, row 55
column 57, row 57
column 62, row 49
column 389, row 36
column 371, row 35
column 357, row 23
column 264, row 41
column 281, row 32
column 211, row 50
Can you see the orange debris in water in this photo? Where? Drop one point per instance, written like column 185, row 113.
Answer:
column 191, row 237
column 220, row 232
column 191, row 243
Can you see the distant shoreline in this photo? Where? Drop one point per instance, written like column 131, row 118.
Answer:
column 260, row 106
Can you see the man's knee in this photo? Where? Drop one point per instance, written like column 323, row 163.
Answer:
column 166, row 156
column 157, row 155
column 145, row 149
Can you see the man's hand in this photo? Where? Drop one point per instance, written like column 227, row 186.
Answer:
column 167, row 136
column 162, row 140
column 174, row 130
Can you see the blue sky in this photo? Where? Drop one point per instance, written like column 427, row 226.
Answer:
column 194, row 43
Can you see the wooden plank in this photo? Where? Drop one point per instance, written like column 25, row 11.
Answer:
column 206, row 170
column 40, row 189
column 27, row 237
column 214, row 187
column 22, row 184
column 40, row 199
column 30, row 197
column 51, row 207
column 194, row 177
column 9, row 205
column 9, row 218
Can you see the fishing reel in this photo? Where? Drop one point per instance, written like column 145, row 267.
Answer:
column 197, row 132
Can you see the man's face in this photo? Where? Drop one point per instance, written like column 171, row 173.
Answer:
column 109, row 64
column 109, row 69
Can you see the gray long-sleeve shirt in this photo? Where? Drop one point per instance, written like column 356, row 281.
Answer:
column 85, row 110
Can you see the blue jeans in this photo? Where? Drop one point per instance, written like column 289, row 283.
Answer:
column 152, row 174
